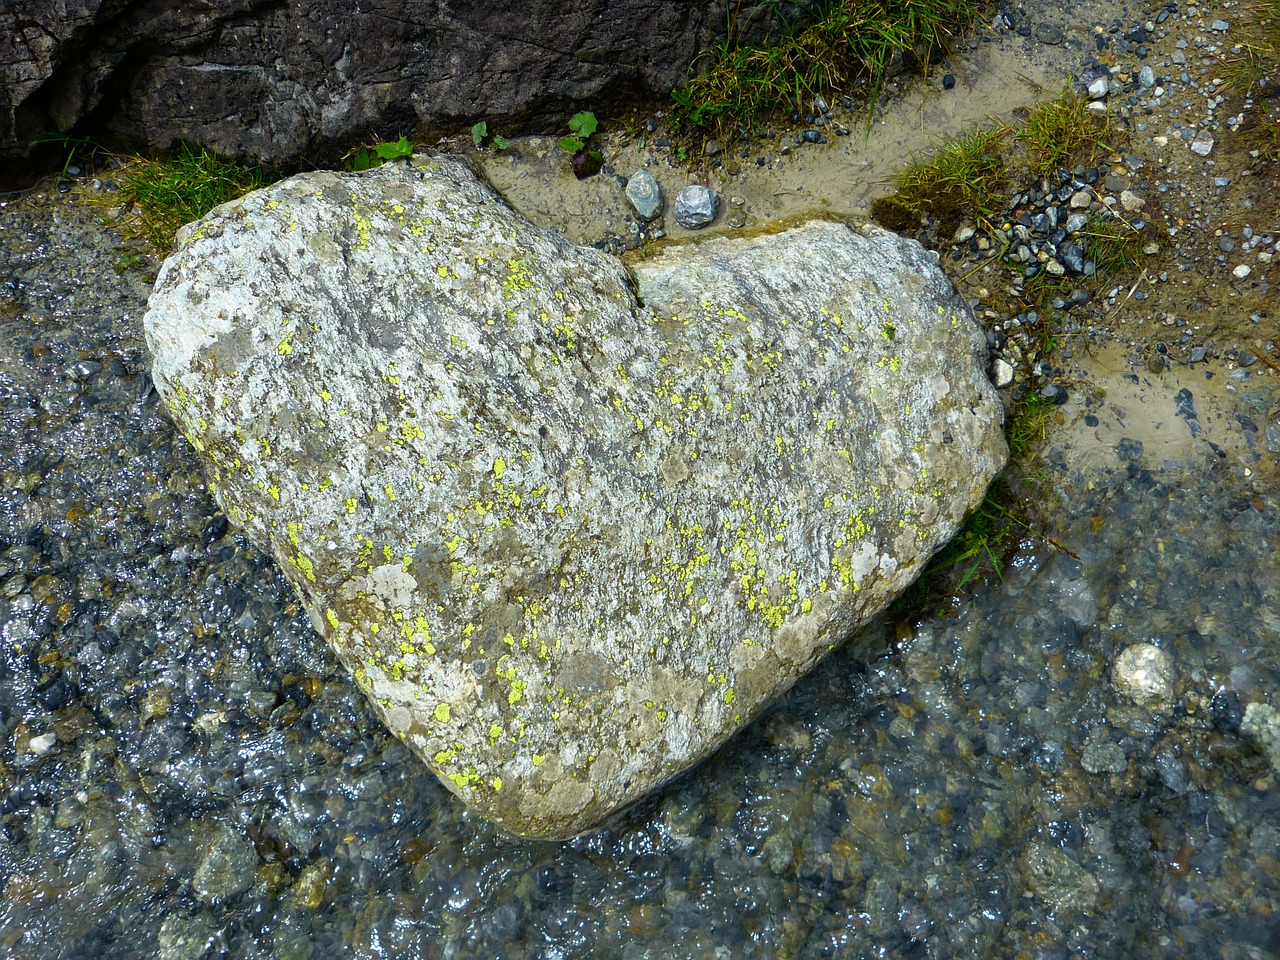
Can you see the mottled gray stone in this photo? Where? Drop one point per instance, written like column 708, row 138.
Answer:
column 1106, row 757
column 644, row 194
column 1261, row 724
column 696, row 206
column 567, row 544
column 1144, row 673
column 226, row 870
column 1056, row 878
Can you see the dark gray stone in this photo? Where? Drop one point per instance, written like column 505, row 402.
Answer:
column 696, row 206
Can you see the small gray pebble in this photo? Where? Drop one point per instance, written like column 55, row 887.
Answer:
column 696, row 207
column 644, row 194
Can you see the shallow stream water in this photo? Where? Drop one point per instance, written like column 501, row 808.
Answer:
column 186, row 772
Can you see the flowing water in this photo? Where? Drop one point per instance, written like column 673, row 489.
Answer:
column 186, row 772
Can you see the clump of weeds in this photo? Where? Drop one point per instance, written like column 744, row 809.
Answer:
column 158, row 196
column 1252, row 71
column 832, row 43
column 155, row 196
column 964, row 177
column 1008, row 521
column 1060, row 133
column 1255, row 50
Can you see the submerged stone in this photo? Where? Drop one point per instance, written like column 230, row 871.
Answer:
column 569, row 525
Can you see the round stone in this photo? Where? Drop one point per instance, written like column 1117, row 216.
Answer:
column 1144, row 673
column 696, row 207
column 1001, row 372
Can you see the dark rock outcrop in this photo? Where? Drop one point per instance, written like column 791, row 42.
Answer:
column 283, row 80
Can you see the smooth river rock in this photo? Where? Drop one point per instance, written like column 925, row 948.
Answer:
column 570, row 523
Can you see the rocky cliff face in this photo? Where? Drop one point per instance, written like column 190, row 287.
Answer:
column 570, row 526
column 279, row 81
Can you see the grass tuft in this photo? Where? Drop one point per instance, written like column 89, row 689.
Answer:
column 1263, row 134
column 1113, row 245
column 965, row 176
column 1061, row 133
column 1255, row 50
column 1007, row 520
column 1252, row 69
column 159, row 196
column 845, row 39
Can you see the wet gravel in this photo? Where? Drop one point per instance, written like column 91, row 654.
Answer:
column 186, row 772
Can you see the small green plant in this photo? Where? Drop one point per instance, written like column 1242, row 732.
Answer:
column 964, row 177
column 1061, row 133
column 157, row 196
column 585, row 160
column 480, row 133
column 366, row 158
column 834, row 41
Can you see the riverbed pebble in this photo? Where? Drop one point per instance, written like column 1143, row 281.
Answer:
column 644, row 194
column 1144, row 673
column 1261, row 724
column 696, row 206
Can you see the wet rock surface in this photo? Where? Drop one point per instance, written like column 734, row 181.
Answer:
column 568, row 544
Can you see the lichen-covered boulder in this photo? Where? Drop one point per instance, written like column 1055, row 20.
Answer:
column 570, row 527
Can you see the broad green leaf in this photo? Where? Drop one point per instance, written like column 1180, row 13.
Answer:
column 583, row 124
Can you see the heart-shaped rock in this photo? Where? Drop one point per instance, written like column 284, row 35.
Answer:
column 570, row 527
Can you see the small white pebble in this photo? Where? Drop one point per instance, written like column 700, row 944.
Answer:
column 1242, row 271
column 1144, row 673
column 42, row 744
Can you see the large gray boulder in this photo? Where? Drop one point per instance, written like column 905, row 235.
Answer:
column 570, row 527
column 296, row 82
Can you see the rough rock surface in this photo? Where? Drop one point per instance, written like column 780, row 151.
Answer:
column 286, row 81
column 568, row 544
